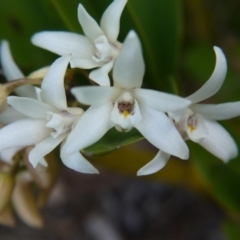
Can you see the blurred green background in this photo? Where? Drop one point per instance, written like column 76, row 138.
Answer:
column 177, row 38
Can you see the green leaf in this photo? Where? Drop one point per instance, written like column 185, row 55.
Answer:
column 159, row 27
column 113, row 140
column 19, row 20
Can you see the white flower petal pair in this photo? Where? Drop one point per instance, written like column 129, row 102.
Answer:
column 125, row 106
column 98, row 48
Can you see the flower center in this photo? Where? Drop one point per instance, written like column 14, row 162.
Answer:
column 125, row 108
column 104, row 51
column 126, row 104
column 192, row 123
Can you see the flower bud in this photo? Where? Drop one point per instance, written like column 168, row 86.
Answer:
column 24, row 202
column 7, row 182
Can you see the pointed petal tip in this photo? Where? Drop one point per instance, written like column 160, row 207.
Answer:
column 231, row 155
column 132, row 34
column 141, row 172
column 4, row 43
column 185, row 156
column 216, row 48
column 81, row 9
column 33, row 163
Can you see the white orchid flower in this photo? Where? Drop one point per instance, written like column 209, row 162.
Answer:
column 97, row 49
column 126, row 105
column 198, row 121
column 48, row 119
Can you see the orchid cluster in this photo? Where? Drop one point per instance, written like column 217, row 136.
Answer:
column 42, row 118
column 37, row 120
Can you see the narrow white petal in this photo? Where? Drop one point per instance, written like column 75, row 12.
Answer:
column 195, row 127
column 10, row 115
column 161, row 101
column 78, row 163
column 216, row 80
column 8, row 154
column 30, row 107
column 110, row 21
column 12, row 72
column 64, row 43
column 43, row 148
column 129, row 66
column 156, row 164
column 219, row 142
column 84, row 63
column 93, row 124
column 158, row 129
column 90, row 27
column 53, row 91
column 100, row 75
column 25, row 132
column 218, row 111
column 10, row 68
column 94, row 95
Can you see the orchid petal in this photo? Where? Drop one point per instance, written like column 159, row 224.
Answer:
column 161, row 101
column 22, row 133
column 129, row 66
column 93, row 124
column 219, row 142
column 110, row 21
column 216, row 80
column 94, row 95
column 10, row 115
column 90, row 27
column 8, row 154
column 12, row 72
column 222, row 111
column 53, row 91
column 195, row 127
column 64, row 43
column 158, row 129
column 84, row 63
column 43, row 148
column 100, row 75
column 30, row 107
column 156, row 164
column 78, row 163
